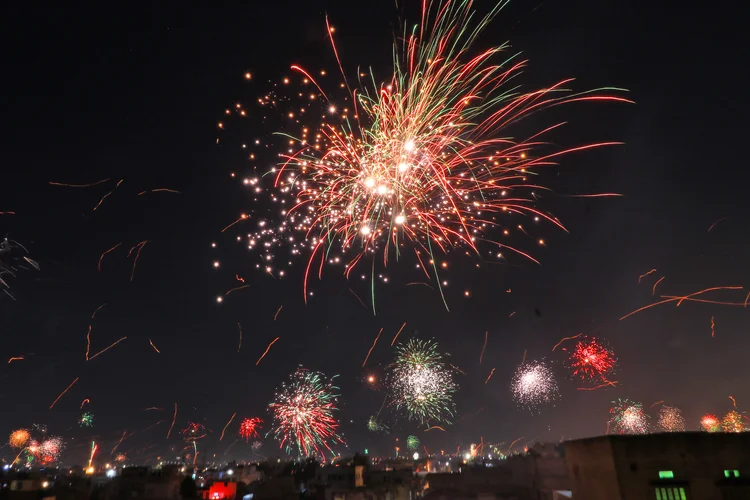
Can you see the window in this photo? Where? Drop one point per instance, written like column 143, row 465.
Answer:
column 668, row 474
column 731, row 473
column 670, row 494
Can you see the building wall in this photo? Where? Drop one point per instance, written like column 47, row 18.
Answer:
column 627, row 467
column 592, row 469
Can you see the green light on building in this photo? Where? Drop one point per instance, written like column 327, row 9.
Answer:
column 668, row 474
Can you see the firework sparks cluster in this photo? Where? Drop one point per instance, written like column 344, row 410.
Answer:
column 421, row 383
column 628, row 417
column 591, row 360
column 249, row 428
column 423, row 163
column 534, row 384
column 303, row 411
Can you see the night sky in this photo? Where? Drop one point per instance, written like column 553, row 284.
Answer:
column 136, row 95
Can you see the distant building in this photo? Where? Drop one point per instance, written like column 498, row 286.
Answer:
column 540, row 474
column 220, row 490
column 357, row 482
column 140, row 483
column 671, row 466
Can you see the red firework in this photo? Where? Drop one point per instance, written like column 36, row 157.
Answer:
column 591, row 360
column 249, row 428
column 193, row 432
column 710, row 423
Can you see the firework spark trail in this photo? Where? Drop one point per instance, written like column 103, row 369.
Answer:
column 398, row 333
column 242, row 217
column 511, row 445
column 481, row 354
column 596, row 195
column 489, row 377
column 371, row 348
column 118, row 443
column 88, row 343
column 87, row 400
column 357, row 297
column 159, row 190
column 107, row 195
column 277, row 312
column 138, row 254
column 681, row 299
column 225, row 427
column 645, row 274
column 7, row 213
column 713, row 325
column 563, row 340
column 653, row 289
column 15, row 358
column 266, row 351
column 152, row 345
column 153, row 408
column 101, row 257
column 714, row 224
column 656, row 403
column 239, row 346
column 235, row 289
column 434, row 427
column 63, row 393
column 174, row 418
column 608, row 383
column 230, row 446
column 79, row 185
column 734, row 401
column 107, row 348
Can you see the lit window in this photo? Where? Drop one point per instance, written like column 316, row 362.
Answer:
column 667, row 474
column 670, row 494
column 731, row 473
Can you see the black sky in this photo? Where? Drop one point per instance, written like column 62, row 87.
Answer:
column 135, row 94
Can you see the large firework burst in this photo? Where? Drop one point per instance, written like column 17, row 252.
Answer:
column 421, row 383
column 591, row 360
column 303, row 413
column 628, row 417
column 534, row 384
column 670, row 419
column 424, row 162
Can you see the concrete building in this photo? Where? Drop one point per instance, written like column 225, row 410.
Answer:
column 672, row 466
column 358, row 482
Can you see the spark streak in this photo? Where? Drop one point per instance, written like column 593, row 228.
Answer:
column 653, row 289
column 481, row 355
column 266, row 352
column 434, row 427
column 106, row 195
column 138, row 254
column 645, row 274
column 371, row 348
column 713, row 325
column 174, row 418
column 63, row 393
column 734, row 401
column 79, row 185
column 107, row 348
column 277, row 312
column 87, row 400
column 99, row 265
column 398, row 333
column 225, row 427
column 15, row 358
column 152, row 345
column 239, row 346
column 489, row 377
column 563, row 340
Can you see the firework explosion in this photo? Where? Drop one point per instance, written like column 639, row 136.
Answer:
column 303, row 414
column 628, row 417
column 412, row 442
column 12, row 259
column 48, row 451
column 734, row 421
column 249, row 428
column 590, row 360
column 425, row 162
column 193, row 432
column 374, row 425
column 86, row 420
column 534, row 384
column 256, row 446
column 19, row 438
column 670, row 419
column 121, row 458
column 421, row 383
column 710, row 423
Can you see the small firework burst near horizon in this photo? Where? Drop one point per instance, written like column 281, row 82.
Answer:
column 628, row 417
column 734, row 421
column 534, row 385
column 249, row 428
column 670, row 419
column 710, row 423
column 303, row 411
column 421, row 383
